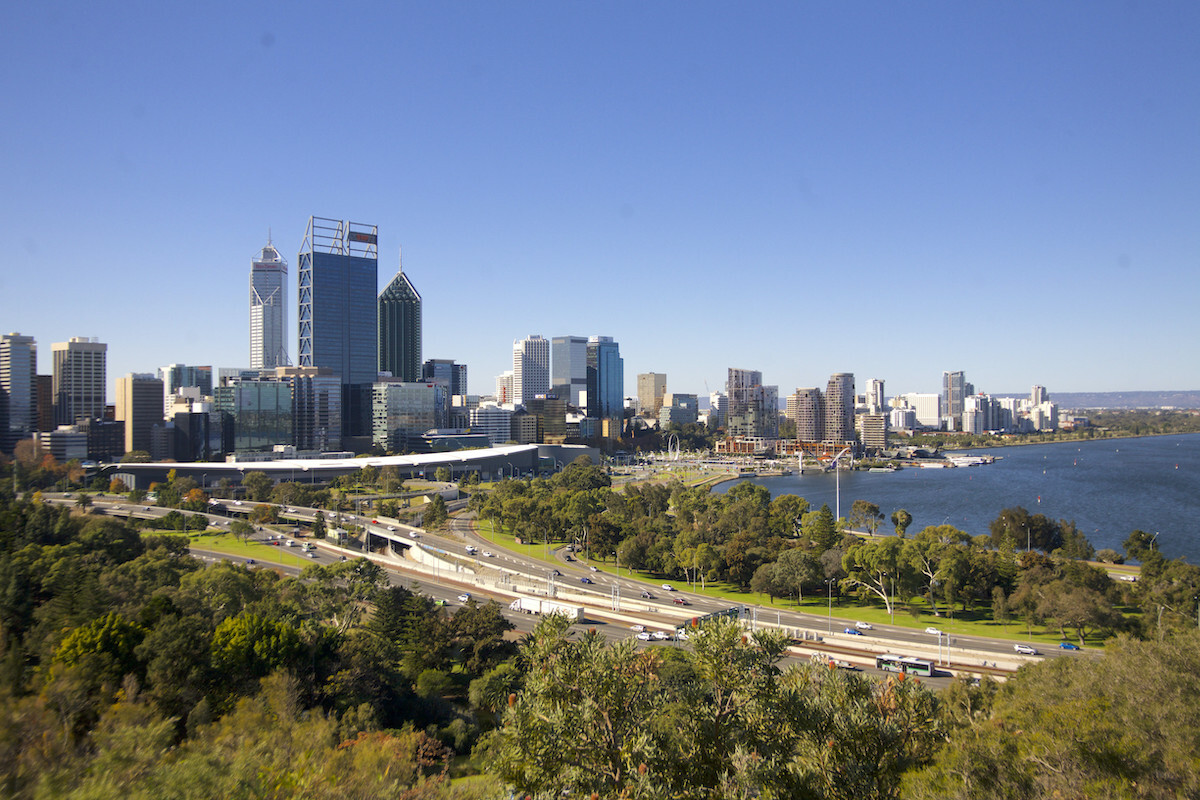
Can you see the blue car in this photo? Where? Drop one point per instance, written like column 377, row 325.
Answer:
column 1068, row 646
column 853, row 632
column 585, row 580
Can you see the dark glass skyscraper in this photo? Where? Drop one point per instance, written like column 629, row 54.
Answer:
column 605, row 381
column 400, row 329
column 338, row 278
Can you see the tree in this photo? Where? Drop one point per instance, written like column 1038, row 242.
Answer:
column 901, row 519
column 241, row 530
column 875, row 566
column 865, row 515
column 442, row 475
column 434, row 517
column 797, row 568
column 257, row 485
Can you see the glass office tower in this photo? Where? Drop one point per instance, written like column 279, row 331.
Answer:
column 337, row 281
column 400, row 329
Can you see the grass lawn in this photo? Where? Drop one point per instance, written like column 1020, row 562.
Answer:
column 230, row 545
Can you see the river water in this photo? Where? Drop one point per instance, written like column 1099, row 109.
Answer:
column 1108, row 488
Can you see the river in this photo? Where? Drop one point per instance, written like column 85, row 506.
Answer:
column 1108, row 488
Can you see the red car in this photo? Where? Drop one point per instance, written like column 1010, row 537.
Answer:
column 679, row 601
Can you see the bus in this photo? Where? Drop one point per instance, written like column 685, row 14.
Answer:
column 905, row 664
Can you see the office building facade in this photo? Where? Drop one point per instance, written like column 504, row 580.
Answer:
column 80, row 379
column 338, row 315
column 19, row 385
column 139, row 404
column 605, row 382
column 268, row 309
column 176, row 377
column 259, row 412
column 531, row 368
column 316, row 408
column 568, row 368
column 404, row 410
column 450, row 375
column 651, row 386
column 400, row 329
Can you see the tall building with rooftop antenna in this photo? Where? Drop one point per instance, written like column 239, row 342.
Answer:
column 268, row 309
column 400, row 328
column 338, row 321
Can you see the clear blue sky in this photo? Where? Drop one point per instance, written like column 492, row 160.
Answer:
column 889, row 189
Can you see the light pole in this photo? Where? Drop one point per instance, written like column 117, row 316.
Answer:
column 829, row 583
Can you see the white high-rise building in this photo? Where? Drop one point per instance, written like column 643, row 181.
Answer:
column 268, row 307
column 531, row 368
column 18, row 379
column 80, row 379
column 875, row 402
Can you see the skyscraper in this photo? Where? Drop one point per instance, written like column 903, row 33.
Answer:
column 18, row 381
column 400, row 329
column 568, row 368
column 954, row 389
column 753, row 408
column 808, row 412
column 606, row 382
column 139, row 404
column 651, row 386
column 338, row 315
column 268, row 309
column 531, row 368
column 839, row 408
column 450, row 375
column 80, row 379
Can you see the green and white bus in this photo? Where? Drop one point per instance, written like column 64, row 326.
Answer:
column 906, row 664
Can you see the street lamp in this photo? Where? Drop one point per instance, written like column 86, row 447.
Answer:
column 829, row 583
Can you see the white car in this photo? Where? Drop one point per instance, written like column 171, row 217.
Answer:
column 645, row 637
column 1025, row 650
column 487, row 554
column 863, row 626
column 464, row 597
column 661, row 636
column 638, row 628
column 666, row 587
column 932, row 631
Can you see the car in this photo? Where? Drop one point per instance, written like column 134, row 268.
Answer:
column 679, row 601
column 392, row 528
column 932, row 631
column 645, row 637
column 251, row 561
column 647, row 596
column 374, row 522
column 486, row 554
column 291, row 543
column 666, row 587
column 237, row 502
column 593, row 568
column 638, row 628
column 567, row 558
column 471, row 550
column 555, row 573
column 682, row 636
column 661, row 636
column 344, row 558
column 585, row 579
column 438, row 602
column 1025, row 650
column 1068, row 646
column 853, row 632
column 145, row 508
column 464, row 597
column 863, row 626
column 312, row 554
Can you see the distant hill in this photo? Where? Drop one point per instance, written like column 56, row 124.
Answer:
column 1177, row 399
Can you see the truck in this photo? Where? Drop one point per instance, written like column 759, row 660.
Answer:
column 536, row 605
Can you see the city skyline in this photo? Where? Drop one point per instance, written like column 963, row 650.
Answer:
column 1009, row 191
